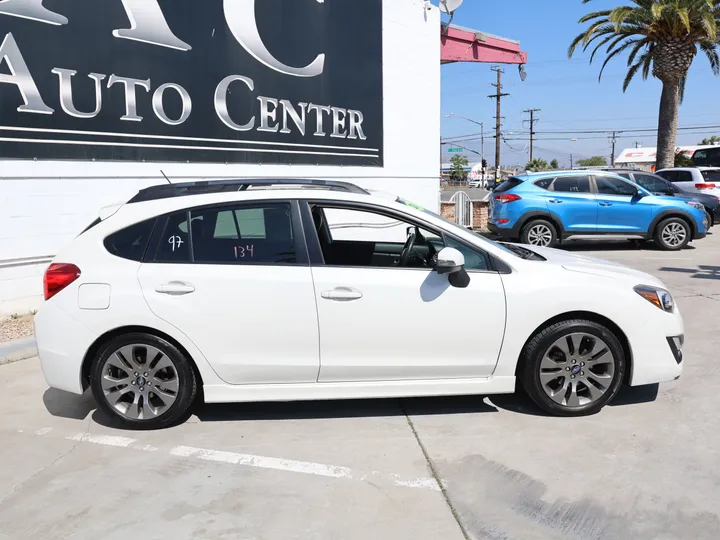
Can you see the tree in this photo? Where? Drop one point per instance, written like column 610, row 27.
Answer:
column 554, row 164
column 663, row 36
column 682, row 159
column 537, row 165
column 712, row 140
column 595, row 161
column 457, row 171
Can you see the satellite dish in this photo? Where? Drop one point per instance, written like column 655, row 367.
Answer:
column 449, row 6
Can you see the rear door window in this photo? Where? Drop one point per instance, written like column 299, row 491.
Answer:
column 670, row 176
column 130, row 243
column 572, row 184
column 260, row 233
column 684, row 176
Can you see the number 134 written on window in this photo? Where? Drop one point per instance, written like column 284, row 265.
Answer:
column 245, row 252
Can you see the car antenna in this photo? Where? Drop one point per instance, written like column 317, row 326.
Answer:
column 165, row 175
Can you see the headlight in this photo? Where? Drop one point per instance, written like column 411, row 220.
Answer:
column 658, row 297
column 696, row 204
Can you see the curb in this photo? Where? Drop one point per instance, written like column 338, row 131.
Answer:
column 16, row 350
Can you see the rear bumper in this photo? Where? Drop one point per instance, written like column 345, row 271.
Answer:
column 62, row 343
column 507, row 233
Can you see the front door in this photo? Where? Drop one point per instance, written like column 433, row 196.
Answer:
column 572, row 200
column 619, row 208
column 386, row 315
column 236, row 282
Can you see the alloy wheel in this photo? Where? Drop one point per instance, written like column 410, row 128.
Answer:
column 577, row 369
column 139, row 381
column 540, row 235
column 674, row 234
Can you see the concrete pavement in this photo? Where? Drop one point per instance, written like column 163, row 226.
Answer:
column 644, row 468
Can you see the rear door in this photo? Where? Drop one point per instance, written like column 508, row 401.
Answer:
column 572, row 200
column 619, row 209
column 236, row 280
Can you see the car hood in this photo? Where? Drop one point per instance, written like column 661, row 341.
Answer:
column 598, row 267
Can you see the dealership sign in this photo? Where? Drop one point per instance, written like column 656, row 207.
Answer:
column 237, row 81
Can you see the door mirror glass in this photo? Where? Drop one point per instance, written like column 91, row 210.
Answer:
column 449, row 261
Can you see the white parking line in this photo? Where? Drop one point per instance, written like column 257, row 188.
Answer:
column 262, row 462
column 250, row 460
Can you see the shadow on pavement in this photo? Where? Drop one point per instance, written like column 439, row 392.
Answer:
column 357, row 408
column 632, row 395
column 703, row 271
column 67, row 405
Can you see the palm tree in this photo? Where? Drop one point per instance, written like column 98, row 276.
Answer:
column 663, row 36
column 537, row 165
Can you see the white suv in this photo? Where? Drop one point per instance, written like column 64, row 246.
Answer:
column 694, row 179
column 298, row 289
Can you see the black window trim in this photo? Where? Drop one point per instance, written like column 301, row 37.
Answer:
column 315, row 250
column 301, row 251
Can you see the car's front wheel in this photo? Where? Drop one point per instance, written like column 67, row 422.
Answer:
column 573, row 368
column 672, row 234
column 143, row 381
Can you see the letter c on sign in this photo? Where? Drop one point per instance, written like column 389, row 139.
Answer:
column 240, row 17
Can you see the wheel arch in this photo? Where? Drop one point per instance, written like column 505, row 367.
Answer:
column 590, row 316
column 673, row 213
column 94, row 349
column 539, row 214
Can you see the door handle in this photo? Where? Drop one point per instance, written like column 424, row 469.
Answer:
column 606, row 204
column 175, row 288
column 555, row 201
column 342, row 294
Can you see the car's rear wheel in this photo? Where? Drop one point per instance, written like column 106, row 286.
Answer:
column 539, row 232
column 143, row 381
column 672, row 234
column 573, row 368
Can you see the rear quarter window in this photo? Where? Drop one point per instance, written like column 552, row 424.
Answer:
column 130, row 243
column 508, row 184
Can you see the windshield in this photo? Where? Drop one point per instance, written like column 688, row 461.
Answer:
column 711, row 176
column 453, row 224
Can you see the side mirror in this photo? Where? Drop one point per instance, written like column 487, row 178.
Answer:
column 639, row 194
column 452, row 263
column 449, row 261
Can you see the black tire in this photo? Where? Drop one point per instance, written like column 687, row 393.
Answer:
column 535, row 225
column 709, row 219
column 532, row 357
column 183, row 375
column 660, row 235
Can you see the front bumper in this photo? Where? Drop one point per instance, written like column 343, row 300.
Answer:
column 654, row 360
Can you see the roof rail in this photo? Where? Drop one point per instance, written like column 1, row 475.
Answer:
column 167, row 191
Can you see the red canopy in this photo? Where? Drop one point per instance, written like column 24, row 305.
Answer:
column 465, row 45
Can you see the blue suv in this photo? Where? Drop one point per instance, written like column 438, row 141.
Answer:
column 544, row 208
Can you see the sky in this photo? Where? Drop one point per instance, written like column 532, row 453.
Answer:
column 566, row 90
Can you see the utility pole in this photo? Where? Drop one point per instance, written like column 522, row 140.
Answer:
column 498, row 118
column 612, row 157
column 638, row 144
column 532, row 127
column 571, row 162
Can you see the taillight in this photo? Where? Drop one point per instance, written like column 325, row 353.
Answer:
column 704, row 186
column 59, row 276
column 505, row 198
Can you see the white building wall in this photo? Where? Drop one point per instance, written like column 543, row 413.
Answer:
column 45, row 204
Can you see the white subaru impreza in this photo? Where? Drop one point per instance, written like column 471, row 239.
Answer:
column 262, row 290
